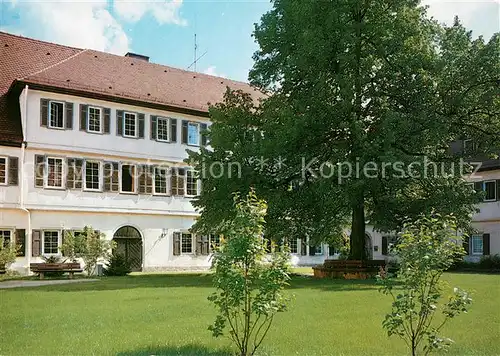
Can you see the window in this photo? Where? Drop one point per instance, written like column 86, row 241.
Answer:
column 129, row 124
column 56, row 115
column 294, row 247
column 6, row 236
column 162, row 129
column 193, row 134
column 50, row 242
column 94, row 119
column 318, row 249
column 490, row 189
column 191, row 183
column 128, row 178
column 214, row 241
column 54, row 173
column 3, row 170
column 160, row 181
column 470, row 146
column 92, row 175
column 477, row 244
column 186, row 243
column 177, row 179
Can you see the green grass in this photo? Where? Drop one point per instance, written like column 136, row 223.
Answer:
column 169, row 314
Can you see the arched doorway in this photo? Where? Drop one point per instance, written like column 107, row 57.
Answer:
column 368, row 247
column 129, row 244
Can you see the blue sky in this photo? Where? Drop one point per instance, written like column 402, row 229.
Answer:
column 164, row 29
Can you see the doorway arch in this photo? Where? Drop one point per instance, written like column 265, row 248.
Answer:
column 128, row 242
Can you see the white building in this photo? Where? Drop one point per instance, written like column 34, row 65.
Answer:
column 90, row 138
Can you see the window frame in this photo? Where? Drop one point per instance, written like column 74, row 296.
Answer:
column 192, row 243
column 158, row 119
column 58, row 242
column 135, row 180
column 46, row 174
column 321, row 253
column 49, row 115
column 11, row 233
column 480, row 238
column 101, row 176
column 6, row 182
column 198, row 125
column 296, row 247
column 196, row 180
column 494, row 190
column 136, row 124
column 167, row 181
column 100, row 119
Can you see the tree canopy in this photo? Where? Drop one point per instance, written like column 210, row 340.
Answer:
column 363, row 99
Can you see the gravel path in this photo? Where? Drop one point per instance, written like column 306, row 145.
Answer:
column 18, row 284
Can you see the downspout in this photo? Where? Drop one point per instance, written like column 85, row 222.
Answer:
column 24, row 121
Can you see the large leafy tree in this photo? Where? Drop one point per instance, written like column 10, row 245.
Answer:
column 362, row 96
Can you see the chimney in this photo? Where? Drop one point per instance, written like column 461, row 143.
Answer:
column 137, row 56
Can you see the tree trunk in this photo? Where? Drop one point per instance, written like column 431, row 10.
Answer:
column 357, row 238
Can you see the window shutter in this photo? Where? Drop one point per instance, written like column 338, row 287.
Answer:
column 21, row 242
column 108, row 172
column 119, row 122
column 44, row 112
column 498, row 189
column 153, row 127
column 184, row 133
column 198, row 245
column 149, row 179
column 303, row 247
column 205, row 240
column 143, row 179
column 173, row 130
column 384, row 245
column 177, row 244
column 107, row 120
column 83, row 117
column 478, row 186
column 466, row 244
column 115, row 178
column 312, row 250
column 63, row 237
column 141, row 125
column 13, row 178
column 36, row 243
column 486, row 244
column 203, row 133
column 70, row 177
column 78, row 173
column 39, row 170
column 69, row 116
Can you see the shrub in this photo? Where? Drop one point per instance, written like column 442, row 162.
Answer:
column 117, row 266
column 8, row 253
column 249, row 285
column 426, row 250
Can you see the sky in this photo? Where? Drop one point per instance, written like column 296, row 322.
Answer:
column 164, row 29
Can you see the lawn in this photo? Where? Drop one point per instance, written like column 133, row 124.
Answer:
column 169, row 314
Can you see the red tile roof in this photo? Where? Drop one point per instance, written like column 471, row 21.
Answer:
column 20, row 57
column 106, row 74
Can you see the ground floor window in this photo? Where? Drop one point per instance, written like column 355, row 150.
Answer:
column 160, row 181
column 50, row 242
column 186, row 243
column 318, row 249
column 214, row 241
column 477, row 244
column 6, row 236
column 294, row 247
column 128, row 178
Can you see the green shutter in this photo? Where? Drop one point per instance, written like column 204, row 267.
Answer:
column 173, row 130
column 36, row 243
column 107, row 120
column 21, row 242
column 141, row 125
column 69, row 116
column 184, row 133
column 83, row 117
column 39, row 170
column 44, row 112
column 119, row 122
column 153, row 127
column 486, row 244
column 384, row 245
column 177, row 243
column 13, row 174
column 203, row 133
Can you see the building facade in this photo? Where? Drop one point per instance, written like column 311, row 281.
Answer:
column 93, row 139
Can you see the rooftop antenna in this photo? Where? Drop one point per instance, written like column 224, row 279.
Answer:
column 196, row 59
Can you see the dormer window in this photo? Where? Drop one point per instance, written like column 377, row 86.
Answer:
column 94, row 122
column 129, row 125
column 56, row 115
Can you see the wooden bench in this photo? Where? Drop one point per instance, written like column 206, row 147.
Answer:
column 42, row 268
column 348, row 269
column 2, row 269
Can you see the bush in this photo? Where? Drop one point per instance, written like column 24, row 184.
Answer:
column 8, row 253
column 117, row 266
column 490, row 262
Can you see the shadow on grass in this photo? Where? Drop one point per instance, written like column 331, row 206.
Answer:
column 200, row 280
column 187, row 350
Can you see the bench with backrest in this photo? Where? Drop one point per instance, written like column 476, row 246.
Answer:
column 42, row 268
column 348, row 268
column 2, row 269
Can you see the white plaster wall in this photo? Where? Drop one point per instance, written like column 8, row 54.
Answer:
column 111, row 144
column 488, row 211
column 9, row 195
